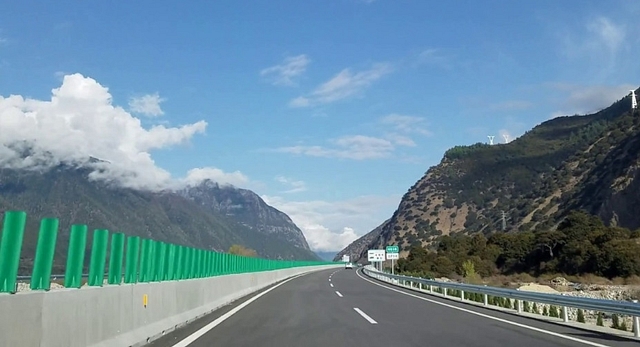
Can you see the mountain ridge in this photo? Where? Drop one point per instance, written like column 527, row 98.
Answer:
column 243, row 204
column 67, row 193
column 567, row 163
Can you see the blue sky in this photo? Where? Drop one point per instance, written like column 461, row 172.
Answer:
column 329, row 109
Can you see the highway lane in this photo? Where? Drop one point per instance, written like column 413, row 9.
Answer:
column 339, row 308
column 451, row 323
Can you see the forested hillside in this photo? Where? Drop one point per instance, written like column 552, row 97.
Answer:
column 529, row 185
column 581, row 244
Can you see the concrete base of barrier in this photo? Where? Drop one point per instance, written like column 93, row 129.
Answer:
column 116, row 315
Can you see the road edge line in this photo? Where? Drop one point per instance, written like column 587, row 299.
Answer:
column 202, row 331
column 543, row 331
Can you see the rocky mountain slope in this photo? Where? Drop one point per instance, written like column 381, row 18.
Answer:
column 68, row 194
column 357, row 249
column 247, row 208
column 579, row 162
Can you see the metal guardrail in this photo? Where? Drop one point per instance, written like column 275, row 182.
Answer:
column 601, row 305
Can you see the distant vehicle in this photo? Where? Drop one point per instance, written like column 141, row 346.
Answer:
column 348, row 266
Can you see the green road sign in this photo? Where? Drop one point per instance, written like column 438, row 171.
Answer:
column 393, row 249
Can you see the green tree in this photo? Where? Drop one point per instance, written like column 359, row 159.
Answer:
column 443, row 266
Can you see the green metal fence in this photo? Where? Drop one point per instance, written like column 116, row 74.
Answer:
column 143, row 260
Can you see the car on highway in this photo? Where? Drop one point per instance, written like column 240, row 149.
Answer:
column 348, row 266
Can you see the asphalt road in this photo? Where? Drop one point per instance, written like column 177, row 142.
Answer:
column 337, row 308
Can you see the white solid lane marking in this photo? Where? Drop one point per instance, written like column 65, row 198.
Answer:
column 365, row 316
column 331, row 285
column 490, row 317
column 189, row 339
column 338, row 293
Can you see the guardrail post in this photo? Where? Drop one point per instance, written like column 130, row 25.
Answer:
column 430, row 289
column 486, row 299
column 43, row 262
column 10, row 247
column 462, row 295
column 420, row 286
column 445, row 291
column 565, row 313
column 75, row 256
column 636, row 323
column 519, row 303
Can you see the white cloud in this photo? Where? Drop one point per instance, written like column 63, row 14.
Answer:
column 598, row 43
column 435, row 57
column 361, row 147
column 300, row 101
column 606, row 33
column 197, row 175
column 331, row 226
column 80, row 122
column 597, row 36
column 407, row 124
column 148, row 105
column 296, row 186
column 284, row 73
column 357, row 147
column 585, row 99
column 400, row 140
column 343, row 85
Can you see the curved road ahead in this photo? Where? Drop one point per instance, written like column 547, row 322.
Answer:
column 336, row 308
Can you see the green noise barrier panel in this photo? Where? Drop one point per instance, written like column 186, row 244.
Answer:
column 115, row 260
column 142, row 260
column 133, row 255
column 98, row 257
column 75, row 256
column 10, row 247
column 43, row 262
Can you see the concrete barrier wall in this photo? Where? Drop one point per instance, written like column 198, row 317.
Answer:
column 116, row 315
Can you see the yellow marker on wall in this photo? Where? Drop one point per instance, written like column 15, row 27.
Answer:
column 145, row 300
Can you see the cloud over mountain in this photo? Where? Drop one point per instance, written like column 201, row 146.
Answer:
column 80, row 121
